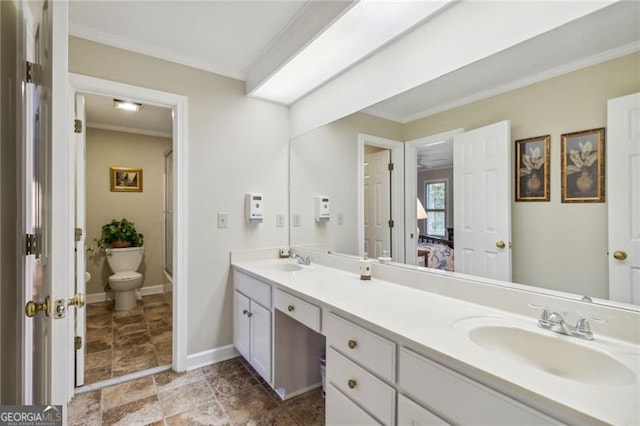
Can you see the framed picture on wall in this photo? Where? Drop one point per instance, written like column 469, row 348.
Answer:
column 532, row 169
column 125, row 179
column 582, row 172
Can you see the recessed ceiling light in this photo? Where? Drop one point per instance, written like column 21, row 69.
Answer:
column 364, row 28
column 126, row 105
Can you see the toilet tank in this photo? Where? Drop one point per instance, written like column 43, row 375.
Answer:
column 124, row 259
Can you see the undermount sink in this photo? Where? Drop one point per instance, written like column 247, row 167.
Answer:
column 282, row 267
column 552, row 353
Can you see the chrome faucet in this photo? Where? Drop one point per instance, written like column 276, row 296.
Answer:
column 302, row 260
column 553, row 321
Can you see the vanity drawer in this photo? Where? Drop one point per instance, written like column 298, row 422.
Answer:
column 457, row 398
column 365, row 389
column 410, row 413
column 342, row 411
column 298, row 309
column 253, row 288
column 373, row 352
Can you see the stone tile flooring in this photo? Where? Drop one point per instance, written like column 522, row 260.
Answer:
column 227, row 393
column 124, row 342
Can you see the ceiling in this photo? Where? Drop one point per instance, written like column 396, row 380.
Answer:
column 236, row 38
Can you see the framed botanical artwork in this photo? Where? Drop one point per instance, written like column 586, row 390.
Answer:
column 532, row 169
column 125, row 179
column 582, row 171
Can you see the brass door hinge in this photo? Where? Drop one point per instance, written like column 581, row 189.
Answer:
column 390, row 167
column 391, row 223
column 78, row 233
column 77, row 126
column 77, row 342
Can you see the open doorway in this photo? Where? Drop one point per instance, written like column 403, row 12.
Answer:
column 125, row 173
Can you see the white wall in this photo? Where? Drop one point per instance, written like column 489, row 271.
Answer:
column 324, row 161
column 236, row 145
column 106, row 148
column 555, row 245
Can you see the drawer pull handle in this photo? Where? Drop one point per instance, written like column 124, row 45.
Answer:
column 249, row 314
column 352, row 344
column 290, row 308
column 244, row 312
column 352, row 383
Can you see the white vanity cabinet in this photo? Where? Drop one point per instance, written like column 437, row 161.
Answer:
column 459, row 399
column 252, row 322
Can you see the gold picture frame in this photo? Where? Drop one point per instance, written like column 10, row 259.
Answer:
column 125, row 179
column 582, row 171
column 532, row 168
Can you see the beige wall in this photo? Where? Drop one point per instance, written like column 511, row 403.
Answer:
column 106, row 148
column 436, row 175
column 236, row 145
column 555, row 245
column 323, row 162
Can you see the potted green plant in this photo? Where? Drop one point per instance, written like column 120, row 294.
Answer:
column 120, row 234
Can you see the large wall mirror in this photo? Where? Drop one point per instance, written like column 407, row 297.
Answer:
column 555, row 84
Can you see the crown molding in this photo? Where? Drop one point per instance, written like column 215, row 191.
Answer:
column 135, row 46
column 126, row 129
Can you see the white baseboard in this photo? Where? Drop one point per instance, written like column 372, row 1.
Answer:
column 284, row 397
column 212, row 356
column 144, row 291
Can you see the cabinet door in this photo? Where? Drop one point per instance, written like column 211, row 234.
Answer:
column 261, row 340
column 241, row 323
column 412, row 414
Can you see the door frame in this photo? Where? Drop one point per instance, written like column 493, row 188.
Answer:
column 397, row 192
column 411, row 186
column 79, row 83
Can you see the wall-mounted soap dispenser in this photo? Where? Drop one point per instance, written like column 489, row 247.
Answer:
column 322, row 208
column 254, row 207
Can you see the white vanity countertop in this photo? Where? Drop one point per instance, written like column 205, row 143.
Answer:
column 427, row 319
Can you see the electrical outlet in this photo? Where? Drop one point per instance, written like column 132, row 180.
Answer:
column 340, row 218
column 280, row 220
column 296, row 219
column 222, row 220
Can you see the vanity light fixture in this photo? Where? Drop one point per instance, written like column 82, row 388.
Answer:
column 359, row 32
column 126, row 105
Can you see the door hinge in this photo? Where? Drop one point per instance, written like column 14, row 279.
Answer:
column 77, row 126
column 78, row 233
column 30, row 72
column 77, row 342
column 390, row 167
column 391, row 224
column 30, row 244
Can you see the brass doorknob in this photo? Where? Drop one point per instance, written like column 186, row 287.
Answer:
column 352, row 383
column 619, row 255
column 77, row 301
column 32, row 308
column 352, row 344
column 290, row 308
column 500, row 244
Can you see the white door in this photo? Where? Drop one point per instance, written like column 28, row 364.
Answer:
column 377, row 203
column 80, row 236
column 623, row 188
column 261, row 340
column 241, row 324
column 482, row 196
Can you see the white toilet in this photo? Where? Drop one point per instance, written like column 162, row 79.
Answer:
column 124, row 263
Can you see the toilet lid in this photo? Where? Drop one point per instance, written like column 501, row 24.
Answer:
column 125, row 276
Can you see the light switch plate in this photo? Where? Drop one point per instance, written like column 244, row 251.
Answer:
column 280, row 220
column 340, row 218
column 223, row 218
column 296, row 219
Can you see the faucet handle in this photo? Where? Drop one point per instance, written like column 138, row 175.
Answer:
column 545, row 311
column 583, row 329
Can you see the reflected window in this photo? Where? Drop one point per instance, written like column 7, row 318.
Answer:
column 435, row 196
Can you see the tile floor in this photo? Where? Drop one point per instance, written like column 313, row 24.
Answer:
column 227, row 393
column 119, row 343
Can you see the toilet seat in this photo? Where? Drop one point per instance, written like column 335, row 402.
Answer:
column 125, row 276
